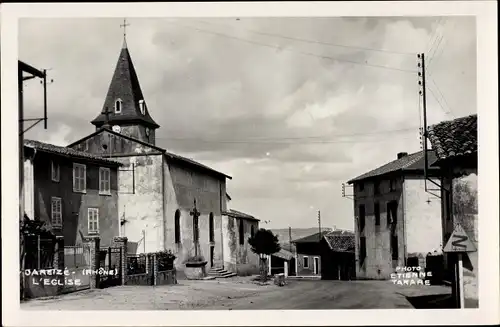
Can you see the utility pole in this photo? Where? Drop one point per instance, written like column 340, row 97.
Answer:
column 319, row 223
column 422, row 92
column 290, row 237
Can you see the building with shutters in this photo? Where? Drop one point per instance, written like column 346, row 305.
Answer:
column 397, row 223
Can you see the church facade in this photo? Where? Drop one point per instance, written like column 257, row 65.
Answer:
column 158, row 191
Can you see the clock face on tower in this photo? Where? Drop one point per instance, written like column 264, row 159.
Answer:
column 116, row 128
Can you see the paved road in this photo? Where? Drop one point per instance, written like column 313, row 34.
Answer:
column 239, row 294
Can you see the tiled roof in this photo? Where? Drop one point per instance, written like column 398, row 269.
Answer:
column 454, row 138
column 125, row 86
column 414, row 161
column 193, row 162
column 283, row 254
column 340, row 241
column 314, row 238
column 238, row 214
column 67, row 152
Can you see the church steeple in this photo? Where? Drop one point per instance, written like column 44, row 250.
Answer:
column 126, row 103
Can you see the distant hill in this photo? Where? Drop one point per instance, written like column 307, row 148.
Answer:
column 283, row 235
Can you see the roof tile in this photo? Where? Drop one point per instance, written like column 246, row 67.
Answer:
column 453, row 138
column 414, row 161
column 67, row 152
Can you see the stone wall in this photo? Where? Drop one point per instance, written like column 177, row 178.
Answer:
column 182, row 186
column 239, row 258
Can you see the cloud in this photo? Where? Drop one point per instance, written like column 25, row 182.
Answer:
column 290, row 120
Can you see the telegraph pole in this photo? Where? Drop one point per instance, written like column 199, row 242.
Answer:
column 319, row 223
column 290, row 237
column 422, row 92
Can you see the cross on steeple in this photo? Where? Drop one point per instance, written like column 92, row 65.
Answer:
column 124, row 25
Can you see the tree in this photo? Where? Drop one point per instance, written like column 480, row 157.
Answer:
column 30, row 228
column 264, row 243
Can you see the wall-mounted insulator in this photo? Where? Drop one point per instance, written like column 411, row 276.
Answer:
column 343, row 190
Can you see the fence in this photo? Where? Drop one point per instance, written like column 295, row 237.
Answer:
column 110, row 259
column 77, row 259
column 136, row 264
column 140, row 269
column 39, row 253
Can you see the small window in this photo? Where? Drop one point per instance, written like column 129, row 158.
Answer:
column 361, row 186
column 376, row 187
column 56, row 212
column 242, row 232
column 362, row 250
column 104, row 180
column 392, row 185
column 55, row 171
column 252, row 231
column 93, row 220
column 392, row 210
column 211, row 227
column 376, row 209
column 177, row 226
column 118, row 106
column 306, row 262
column 394, row 247
column 79, row 178
column 361, row 217
column 142, row 107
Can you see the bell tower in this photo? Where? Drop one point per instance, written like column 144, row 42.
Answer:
column 125, row 109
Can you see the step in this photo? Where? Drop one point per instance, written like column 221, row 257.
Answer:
column 228, row 276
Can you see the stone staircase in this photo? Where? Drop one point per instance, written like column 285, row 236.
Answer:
column 220, row 273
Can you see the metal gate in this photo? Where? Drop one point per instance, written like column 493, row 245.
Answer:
column 111, row 264
column 77, row 261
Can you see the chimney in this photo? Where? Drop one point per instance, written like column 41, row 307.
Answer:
column 402, row 154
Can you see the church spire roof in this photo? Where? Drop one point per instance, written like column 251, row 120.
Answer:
column 124, row 99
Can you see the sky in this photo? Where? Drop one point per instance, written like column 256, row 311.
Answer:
column 291, row 108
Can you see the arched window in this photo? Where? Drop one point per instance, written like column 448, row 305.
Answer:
column 142, row 107
column 118, row 106
column 211, row 226
column 177, row 226
column 242, row 232
column 252, row 231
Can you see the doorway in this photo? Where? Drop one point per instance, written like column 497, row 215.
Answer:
column 316, row 265
column 212, row 256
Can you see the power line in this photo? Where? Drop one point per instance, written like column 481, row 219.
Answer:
column 315, row 42
column 314, row 137
column 293, row 51
column 433, row 35
column 440, row 50
column 441, row 94
column 283, row 142
column 439, row 102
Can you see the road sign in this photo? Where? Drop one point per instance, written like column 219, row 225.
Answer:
column 459, row 242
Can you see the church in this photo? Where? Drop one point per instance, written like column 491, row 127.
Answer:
column 165, row 201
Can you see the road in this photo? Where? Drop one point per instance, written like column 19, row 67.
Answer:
column 241, row 294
